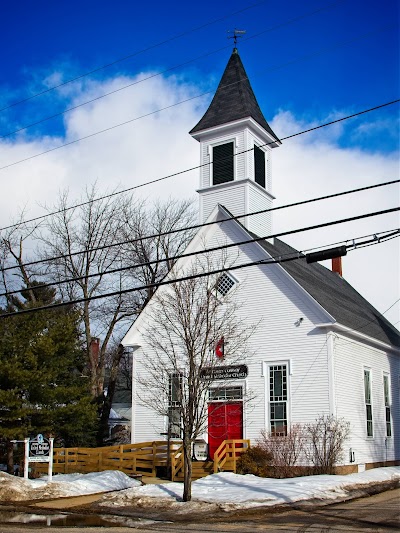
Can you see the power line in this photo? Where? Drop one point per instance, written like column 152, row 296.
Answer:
column 204, row 224
column 110, row 128
column 370, row 321
column 189, row 169
column 369, row 244
column 151, row 47
column 389, row 308
column 298, row 255
column 187, row 63
column 383, row 238
column 280, row 259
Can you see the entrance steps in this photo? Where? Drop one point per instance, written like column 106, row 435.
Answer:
column 199, row 469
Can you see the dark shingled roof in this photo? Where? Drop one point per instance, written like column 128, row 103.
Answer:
column 335, row 295
column 233, row 100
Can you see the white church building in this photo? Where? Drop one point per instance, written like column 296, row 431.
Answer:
column 320, row 348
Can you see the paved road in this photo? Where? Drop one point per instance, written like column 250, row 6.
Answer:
column 379, row 513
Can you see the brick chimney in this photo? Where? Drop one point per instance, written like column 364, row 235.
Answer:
column 337, row 265
column 94, row 349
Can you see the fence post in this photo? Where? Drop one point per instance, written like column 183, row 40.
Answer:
column 154, row 458
column 100, row 461
column 121, row 457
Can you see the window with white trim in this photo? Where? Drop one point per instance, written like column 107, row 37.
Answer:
column 223, row 163
column 278, row 399
column 386, row 395
column 174, row 405
column 368, row 402
column 224, row 284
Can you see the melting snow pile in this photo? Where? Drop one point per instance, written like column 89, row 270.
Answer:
column 14, row 488
column 225, row 490
column 230, row 490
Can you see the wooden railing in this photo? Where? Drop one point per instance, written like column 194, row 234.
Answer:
column 227, row 454
column 177, row 462
column 141, row 458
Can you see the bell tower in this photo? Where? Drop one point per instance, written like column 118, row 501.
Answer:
column 235, row 152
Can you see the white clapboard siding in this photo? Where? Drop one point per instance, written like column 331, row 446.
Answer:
column 205, row 169
column 258, row 200
column 350, row 359
column 232, row 197
column 149, row 426
column 270, row 299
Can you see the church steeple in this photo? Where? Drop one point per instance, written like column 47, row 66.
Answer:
column 235, row 145
column 233, row 100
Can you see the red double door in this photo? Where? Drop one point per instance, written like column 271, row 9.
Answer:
column 225, row 422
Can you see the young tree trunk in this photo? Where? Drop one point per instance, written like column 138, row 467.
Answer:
column 187, row 470
column 108, row 399
column 10, row 457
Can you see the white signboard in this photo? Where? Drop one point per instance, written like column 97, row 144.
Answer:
column 39, row 450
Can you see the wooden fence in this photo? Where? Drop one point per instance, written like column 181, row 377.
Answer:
column 142, row 458
column 228, row 453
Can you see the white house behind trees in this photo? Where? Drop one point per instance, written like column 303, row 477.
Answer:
column 320, row 347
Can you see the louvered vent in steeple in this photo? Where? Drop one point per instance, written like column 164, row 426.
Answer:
column 259, row 166
column 222, row 163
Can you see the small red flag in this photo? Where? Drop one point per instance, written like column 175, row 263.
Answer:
column 219, row 348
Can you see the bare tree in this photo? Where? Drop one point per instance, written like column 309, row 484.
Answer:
column 186, row 320
column 154, row 257
column 13, row 258
column 96, row 228
column 91, row 230
column 285, row 450
column 325, row 441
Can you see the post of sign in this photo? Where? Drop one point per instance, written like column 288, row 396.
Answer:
column 26, row 459
column 50, row 470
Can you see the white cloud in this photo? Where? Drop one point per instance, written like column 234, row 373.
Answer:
column 158, row 145
column 303, row 169
column 123, row 157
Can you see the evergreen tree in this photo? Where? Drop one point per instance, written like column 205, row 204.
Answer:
column 43, row 384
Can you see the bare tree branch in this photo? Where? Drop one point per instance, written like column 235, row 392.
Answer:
column 186, row 320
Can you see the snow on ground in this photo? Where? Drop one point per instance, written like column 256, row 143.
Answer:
column 236, row 491
column 14, row 488
column 226, row 490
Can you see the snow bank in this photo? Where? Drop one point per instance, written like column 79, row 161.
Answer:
column 14, row 488
column 231, row 491
column 225, row 490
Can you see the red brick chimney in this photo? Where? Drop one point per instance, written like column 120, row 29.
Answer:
column 337, row 265
column 94, row 349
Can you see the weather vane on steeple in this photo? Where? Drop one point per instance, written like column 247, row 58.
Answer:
column 236, row 33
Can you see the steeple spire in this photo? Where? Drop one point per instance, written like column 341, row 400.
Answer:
column 234, row 100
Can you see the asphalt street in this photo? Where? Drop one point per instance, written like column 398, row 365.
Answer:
column 379, row 513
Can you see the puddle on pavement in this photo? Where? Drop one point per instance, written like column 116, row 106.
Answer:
column 67, row 519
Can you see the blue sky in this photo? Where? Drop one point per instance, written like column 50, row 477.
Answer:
column 308, row 63
column 307, row 57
